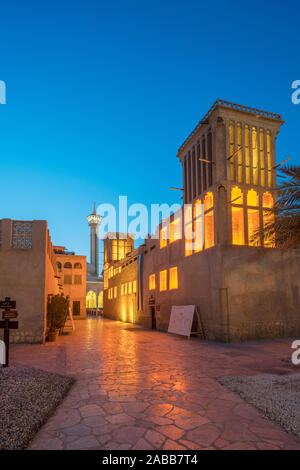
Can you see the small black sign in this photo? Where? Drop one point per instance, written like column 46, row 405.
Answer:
column 7, row 303
column 12, row 325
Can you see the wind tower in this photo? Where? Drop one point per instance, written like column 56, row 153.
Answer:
column 94, row 221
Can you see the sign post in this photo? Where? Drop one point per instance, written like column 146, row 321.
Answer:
column 7, row 305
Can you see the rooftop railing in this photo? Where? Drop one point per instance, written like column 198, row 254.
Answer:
column 228, row 104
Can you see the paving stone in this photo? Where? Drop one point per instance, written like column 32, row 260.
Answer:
column 94, row 421
column 155, row 438
column 172, row 445
column 78, row 430
column 171, row 431
column 120, row 418
column 142, row 445
column 204, row 435
column 91, row 410
column 128, row 434
column 84, row 443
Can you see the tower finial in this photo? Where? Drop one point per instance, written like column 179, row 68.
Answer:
column 94, row 212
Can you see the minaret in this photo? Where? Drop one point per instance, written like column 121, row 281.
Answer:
column 94, row 221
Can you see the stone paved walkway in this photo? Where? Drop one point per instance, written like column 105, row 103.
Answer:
column 141, row 389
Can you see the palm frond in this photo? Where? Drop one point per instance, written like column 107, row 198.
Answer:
column 284, row 217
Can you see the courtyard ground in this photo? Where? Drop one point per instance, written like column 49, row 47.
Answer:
column 143, row 389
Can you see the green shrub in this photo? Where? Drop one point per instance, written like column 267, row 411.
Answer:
column 57, row 311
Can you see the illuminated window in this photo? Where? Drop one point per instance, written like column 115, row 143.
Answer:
column 198, row 226
column 175, row 230
column 255, row 155
column 121, row 249
column 262, row 157
column 125, row 288
column 209, row 220
column 91, row 299
column 130, row 287
column 106, row 279
column 115, row 292
column 232, row 149
column 188, row 229
column 134, row 287
column 237, row 216
column 252, row 215
column 252, row 198
column 114, row 248
column 152, row 282
column 253, row 224
column 122, row 289
column 240, row 154
column 163, row 236
column 173, row 278
column 163, row 280
column 268, row 218
column 268, row 200
column 247, row 154
column 269, row 159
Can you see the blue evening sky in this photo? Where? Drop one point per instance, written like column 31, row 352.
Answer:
column 101, row 94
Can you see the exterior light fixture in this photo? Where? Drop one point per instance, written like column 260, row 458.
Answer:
column 206, row 161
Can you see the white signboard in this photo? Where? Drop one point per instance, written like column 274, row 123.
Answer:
column 181, row 319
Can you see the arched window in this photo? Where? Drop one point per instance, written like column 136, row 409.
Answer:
column 240, row 154
column 237, row 216
column 252, row 215
column 77, row 266
column 59, row 265
column 268, row 201
column 269, row 158
column 91, row 299
column 231, row 150
column 262, row 157
column 252, row 198
column 198, row 226
column 255, row 155
column 268, row 217
column 209, row 239
column 68, row 265
column 247, row 154
column 188, row 229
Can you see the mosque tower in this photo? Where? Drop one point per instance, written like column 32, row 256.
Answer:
column 94, row 221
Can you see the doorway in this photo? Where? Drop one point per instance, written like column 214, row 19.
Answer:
column 153, row 318
column 76, row 308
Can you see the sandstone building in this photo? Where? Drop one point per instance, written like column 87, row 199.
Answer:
column 30, row 269
column 243, row 290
